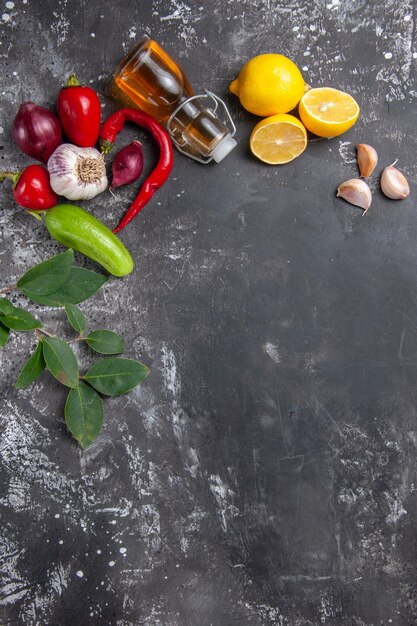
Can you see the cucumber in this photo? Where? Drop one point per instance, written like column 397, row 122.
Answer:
column 76, row 228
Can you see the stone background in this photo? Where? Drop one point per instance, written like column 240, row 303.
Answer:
column 265, row 473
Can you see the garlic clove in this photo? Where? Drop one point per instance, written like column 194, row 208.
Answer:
column 394, row 184
column 367, row 159
column 355, row 191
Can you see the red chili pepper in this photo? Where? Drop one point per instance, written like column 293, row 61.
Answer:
column 79, row 113
column 31, row 188
column 109, row 131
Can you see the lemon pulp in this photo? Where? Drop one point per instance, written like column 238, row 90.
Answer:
column 328, row 112
column 278, row 139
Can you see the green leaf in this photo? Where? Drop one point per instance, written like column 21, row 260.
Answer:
column 48, row 276
column 84, row 414
column 61, row 361
column 80, row 285
column 75, row 317
column 19, row 319
column 105, row 341
column 4, row 335
column 32, row 369
column 114, row 376
column 6, row 307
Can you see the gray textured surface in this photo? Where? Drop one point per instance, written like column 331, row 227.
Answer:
column 265, row 473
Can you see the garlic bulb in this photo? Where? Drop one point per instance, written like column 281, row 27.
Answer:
column 394, row 184
column 355, row 191
column 77, row 173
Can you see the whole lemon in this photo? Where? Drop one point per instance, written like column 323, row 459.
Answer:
column 269, row 84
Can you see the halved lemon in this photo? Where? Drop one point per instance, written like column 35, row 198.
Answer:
column 328, row 112
column 278, row 139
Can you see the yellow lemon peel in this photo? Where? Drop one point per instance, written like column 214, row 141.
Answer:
column 269, row 84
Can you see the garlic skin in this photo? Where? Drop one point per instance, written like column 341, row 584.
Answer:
column 356, row 191
column 77, row 173
column 394, row 184
column 367, row 159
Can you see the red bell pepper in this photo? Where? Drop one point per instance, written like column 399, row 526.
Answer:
column 32, row 188
column 79, row 113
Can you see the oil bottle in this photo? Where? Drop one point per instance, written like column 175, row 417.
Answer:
column 158, row 86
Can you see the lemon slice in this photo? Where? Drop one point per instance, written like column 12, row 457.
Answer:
column 278, row 139
column 328, row 112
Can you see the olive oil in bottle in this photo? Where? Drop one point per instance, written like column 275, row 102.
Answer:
column 158, row 86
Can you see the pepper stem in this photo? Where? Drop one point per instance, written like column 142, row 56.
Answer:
column 36, row 215
column 73, row 81
column 14, row 176
column 105, row 146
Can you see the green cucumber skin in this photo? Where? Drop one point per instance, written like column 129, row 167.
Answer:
column 75, row 228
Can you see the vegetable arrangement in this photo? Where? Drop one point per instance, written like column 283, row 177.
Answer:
column 57, row 283
column 109, row 131
column 271, row 85
column 268, row 85
column 77, row 171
